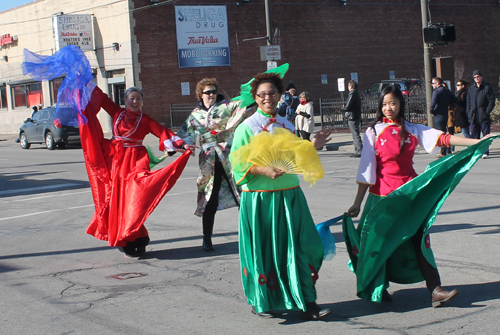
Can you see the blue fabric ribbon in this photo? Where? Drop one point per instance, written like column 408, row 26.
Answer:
column 327, row 238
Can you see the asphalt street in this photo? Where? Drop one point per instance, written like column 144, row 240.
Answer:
column 56, row 279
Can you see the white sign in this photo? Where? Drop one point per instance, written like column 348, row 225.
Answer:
column 73, row 30
column 271, row 65
column 270, row 52
column 202, row 37
column 185, row 88
column 341, row 84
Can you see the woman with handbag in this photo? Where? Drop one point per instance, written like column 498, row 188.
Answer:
column 304, row 121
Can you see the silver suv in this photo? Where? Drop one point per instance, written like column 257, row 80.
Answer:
column 406, row 85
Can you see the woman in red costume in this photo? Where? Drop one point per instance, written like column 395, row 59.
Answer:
column 125, row 191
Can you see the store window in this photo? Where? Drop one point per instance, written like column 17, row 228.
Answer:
column 27, row 95
column 3, row 98
column 56, row 84
column 119, row 94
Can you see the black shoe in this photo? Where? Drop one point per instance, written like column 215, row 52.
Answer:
column 265, row 315
column 207, row 244
column 386, row 296
column 140, row 251
column 313, row 311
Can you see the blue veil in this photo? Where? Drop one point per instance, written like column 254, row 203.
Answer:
column 76, row 88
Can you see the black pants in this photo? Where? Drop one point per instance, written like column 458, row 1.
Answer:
column 213, row 202
column 430, row 273
column 441, row 123
column 305, row 135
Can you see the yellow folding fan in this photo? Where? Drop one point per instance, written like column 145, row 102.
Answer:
column 282, row 150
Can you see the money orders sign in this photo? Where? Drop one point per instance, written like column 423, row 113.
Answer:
column 202, row 36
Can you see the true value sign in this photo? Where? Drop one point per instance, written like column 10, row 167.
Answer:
column 270, row 52
column 7, row 39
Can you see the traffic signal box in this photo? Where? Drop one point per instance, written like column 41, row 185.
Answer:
column 439, row 34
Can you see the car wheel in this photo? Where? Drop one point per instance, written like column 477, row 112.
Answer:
column 24, row 141
column 49, row 141
column 61, row 145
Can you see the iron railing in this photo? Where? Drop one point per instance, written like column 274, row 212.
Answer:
column 332, row 116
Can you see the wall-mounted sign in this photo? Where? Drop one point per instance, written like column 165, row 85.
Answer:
column 341, row 84
column 73, row 30
column 270, row 52
column 202, row 36
column 185, row 88
column 7, row 39
column 324, row 79
column 354, row 76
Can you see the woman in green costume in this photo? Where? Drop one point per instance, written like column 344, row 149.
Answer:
column 280, row 249
column 391, row 242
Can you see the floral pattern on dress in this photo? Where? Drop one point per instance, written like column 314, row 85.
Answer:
column 214, row 128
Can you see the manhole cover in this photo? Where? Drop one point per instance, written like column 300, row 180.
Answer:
column 130, row 275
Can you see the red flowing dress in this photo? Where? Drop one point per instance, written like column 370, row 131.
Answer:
column 124, row 189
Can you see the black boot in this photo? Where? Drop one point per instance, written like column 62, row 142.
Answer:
column 207, row 243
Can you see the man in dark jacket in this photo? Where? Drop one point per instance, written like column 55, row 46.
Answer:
column 352, row 108
column 442, row 98
column 289, row 104
column 480, row 103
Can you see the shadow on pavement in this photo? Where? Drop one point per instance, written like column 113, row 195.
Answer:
column 406, row 300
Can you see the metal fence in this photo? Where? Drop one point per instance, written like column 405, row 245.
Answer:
column 179, row 113
column 332, row 115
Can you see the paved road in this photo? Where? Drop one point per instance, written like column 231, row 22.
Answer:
column 55, row 279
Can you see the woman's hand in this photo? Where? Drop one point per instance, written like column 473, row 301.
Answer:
column 321, row 138
column 353, row 211
column 191, row 147
column 267, row 171
column 272, row 172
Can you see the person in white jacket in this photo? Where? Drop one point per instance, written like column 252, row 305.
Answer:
column 304, row 122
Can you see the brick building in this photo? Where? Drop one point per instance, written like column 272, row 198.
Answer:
column 318, row 38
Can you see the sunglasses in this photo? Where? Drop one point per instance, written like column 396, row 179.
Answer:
column 210, row 92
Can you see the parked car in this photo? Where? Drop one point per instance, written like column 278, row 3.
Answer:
column 406, row 85
column 43, row 127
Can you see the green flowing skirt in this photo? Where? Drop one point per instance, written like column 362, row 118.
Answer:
column 280, row 250
column 380, row 248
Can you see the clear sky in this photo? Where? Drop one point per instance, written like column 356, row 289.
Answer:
column 8, row 4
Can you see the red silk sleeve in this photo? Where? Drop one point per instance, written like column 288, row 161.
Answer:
column 164, row 134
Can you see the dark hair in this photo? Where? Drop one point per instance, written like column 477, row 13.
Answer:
column 463, row 82
column 396, row 92
column 353, row 83
column 202, row 84
column 262, row 78
column 438, row 79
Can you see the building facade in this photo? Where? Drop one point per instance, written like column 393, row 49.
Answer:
column 322, row 40
column 36, row 26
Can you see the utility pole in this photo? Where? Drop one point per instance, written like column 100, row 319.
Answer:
column 427, row 63
column 268, row 23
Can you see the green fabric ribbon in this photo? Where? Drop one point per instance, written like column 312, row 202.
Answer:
column 245, row 95
column 153, row 160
